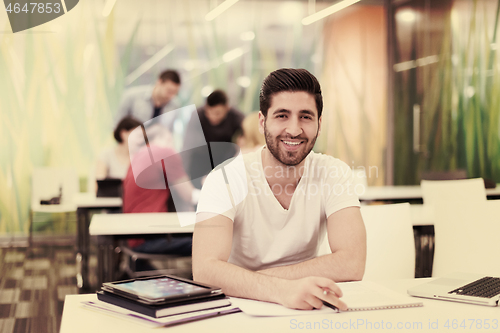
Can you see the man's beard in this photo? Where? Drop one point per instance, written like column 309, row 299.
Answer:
column 288, row 158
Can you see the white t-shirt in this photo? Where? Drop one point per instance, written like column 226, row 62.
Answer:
column 265, row 234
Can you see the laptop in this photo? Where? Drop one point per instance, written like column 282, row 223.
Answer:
column 109, row 188
column 461, row 287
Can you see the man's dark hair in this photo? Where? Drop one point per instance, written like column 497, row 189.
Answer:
column 127, row 124
column 289, row 79
column 217, row 97
column 170, row 75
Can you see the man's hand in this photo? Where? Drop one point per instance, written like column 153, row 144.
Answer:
column 309, row 293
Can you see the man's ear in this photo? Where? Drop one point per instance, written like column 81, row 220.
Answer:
column 262, row 120
column 319, row 124
column 123, row 135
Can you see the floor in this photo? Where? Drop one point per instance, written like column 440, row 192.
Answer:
column 33, row 284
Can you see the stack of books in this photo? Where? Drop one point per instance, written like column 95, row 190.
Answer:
column 171, row 308
column 166, row 295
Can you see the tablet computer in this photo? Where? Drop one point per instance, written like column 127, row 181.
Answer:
column 161, row 289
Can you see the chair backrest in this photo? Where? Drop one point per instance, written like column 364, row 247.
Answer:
column 467, row 237
column 49, row 182
column 390, row 242
column 436, row 191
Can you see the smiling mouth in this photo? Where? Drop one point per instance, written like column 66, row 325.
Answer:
column 292, row 145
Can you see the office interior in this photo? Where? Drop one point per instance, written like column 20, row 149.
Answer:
column 409, row 89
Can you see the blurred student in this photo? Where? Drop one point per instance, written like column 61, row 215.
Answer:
column 149, row 101
column 146, row 189
column 114, row 162
column 219, row 123
column 250, row 139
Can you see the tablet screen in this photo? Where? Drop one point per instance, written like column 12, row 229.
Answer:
column 159, row 288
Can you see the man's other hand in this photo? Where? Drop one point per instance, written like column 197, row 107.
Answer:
column 309, row 293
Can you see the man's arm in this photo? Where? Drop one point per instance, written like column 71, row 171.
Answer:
column 212, row 241
column 347, row 238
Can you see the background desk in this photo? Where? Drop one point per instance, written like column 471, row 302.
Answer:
column 86, row 202
column 78, row 319
column 407, row 193
column 110, row 227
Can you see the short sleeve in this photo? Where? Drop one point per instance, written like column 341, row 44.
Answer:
column 340, row 190
column 215, row 197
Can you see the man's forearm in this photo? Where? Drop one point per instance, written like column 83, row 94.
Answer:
column 239, row 282
column 338, row 266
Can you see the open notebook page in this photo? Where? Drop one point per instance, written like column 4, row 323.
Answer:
column 367, row 295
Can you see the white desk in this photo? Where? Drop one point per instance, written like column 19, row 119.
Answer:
column 77, row 319
column 140, row 223
column 85, row 202
column 411, row 192
column 89, row 200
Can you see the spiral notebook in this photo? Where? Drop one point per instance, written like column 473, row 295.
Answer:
column 366, row 295
column 359, row 296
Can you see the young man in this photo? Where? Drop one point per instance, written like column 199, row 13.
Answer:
column 219, row 123
column 259, row 238
column 147, row 102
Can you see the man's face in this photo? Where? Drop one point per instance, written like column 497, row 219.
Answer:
column 216, row 114
column 291, row 126
column 166, row 91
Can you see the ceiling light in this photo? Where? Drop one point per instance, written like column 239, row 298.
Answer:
column 148, row 64
column 406, row 15
column 219, row 9
column 233, row 54
column 327, row 11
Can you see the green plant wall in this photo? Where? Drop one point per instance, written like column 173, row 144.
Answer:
column 61, row 82
column 457, row 91
column 58, row 86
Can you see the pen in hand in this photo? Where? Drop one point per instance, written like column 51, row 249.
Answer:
column 331, row 306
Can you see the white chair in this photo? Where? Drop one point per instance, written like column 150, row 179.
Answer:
column 390, row 242
column 467, row 237
column 435, row 191
column 48, row 183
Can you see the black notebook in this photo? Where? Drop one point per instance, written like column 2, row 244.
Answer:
column 168, row 309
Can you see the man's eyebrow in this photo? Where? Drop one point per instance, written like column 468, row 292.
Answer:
column 281, row 111
column 309, row 112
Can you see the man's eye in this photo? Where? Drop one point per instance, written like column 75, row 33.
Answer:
column 307, row 117
column 281, row 116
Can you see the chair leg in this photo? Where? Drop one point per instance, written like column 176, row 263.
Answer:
column 67, row 217
column 30, row 231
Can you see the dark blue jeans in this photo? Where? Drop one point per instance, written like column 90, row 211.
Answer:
column 167, row 245
column 177, row 245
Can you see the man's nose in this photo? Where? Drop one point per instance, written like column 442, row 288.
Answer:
column 293, row 127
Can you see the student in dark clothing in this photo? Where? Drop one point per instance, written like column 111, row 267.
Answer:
column 218, row 122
